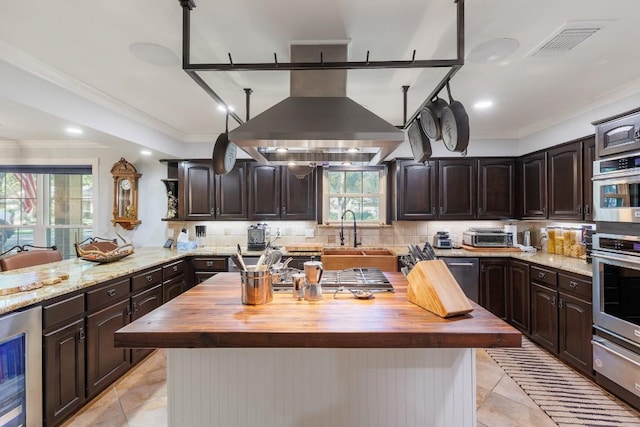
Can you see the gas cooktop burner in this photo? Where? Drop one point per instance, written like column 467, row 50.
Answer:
column 371, row 279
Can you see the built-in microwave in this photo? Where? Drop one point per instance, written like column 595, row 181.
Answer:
column 616, row 189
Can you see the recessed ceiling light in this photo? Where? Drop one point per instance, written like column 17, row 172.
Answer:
column 492, row 51
column 74, row 130
column 483, row 105
column 145, row 152
column 154, row 54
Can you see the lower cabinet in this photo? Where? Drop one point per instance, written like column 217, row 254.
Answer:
column 141, row 304
column 173, row 287
column 494, row 286
column 106, row 363
column 544, row 316
column 63, row 355
column 206, row 267
column 518, row 294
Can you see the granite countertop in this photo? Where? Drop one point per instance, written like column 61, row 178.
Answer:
column 83, row 273
column 212, row 315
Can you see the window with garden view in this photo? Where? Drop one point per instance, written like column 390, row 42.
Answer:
column 45, row 206
column 361, row 191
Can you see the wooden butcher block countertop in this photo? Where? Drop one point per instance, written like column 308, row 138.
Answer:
column 212, row 315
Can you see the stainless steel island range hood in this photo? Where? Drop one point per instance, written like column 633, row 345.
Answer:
column 318, row 123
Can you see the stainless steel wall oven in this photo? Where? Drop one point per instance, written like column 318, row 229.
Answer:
column 616, row 309
column 616, row 189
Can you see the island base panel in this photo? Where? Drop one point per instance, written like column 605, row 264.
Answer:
column 321, row 387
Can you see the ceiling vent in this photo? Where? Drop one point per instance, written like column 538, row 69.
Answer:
column 567, row 37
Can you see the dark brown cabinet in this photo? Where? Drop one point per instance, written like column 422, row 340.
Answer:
column 518, row 294
column 457, row 189
column 206, row 267
column 196, row 190
column 416, row 190
column 532, row 174
column 588, row 157
column 207, row 196
column 106, row 363
column 276, row 193
column 544, row 316
column 565, row 182
column 494, row 286
column 63, row 356
column 142, row 303
column 496, row 188
column 172, row 288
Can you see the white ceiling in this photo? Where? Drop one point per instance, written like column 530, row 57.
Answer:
column 83, row 46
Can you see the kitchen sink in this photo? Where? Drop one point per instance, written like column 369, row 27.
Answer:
column 342, row 259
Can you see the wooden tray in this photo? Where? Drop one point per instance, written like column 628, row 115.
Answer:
column 14, row 283
column 304, row 247
column 474, row 249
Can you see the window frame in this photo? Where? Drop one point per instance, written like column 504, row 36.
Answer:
column 40, row 229
column 383, row 195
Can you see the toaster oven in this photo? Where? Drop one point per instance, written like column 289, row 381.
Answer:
column 487, row 238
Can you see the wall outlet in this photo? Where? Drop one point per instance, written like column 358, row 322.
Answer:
column 310, row 232
column 278, row 233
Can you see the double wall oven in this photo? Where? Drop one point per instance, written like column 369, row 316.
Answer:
column 616, row 274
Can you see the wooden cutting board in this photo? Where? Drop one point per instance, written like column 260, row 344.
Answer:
column 304, row 247
column 13, row 283
column 474, row 249
column 433, row 287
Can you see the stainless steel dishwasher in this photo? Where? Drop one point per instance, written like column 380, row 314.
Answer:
column 467, row 273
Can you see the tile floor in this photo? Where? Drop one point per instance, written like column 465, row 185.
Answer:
column 140, row 399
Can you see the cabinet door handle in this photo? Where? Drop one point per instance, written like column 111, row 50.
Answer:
column 209, row 263
column 175, row 268
column 135, row 307
column 441, row 210
column 278, row 210
column 553, row 301
column 572, row 284
column 81, row 334
column 212, row 211
column 560, row 303
column 111, row 292
column 149, row 278
column 579, row 209
column 128, row 311
column 433, row 210
column 586, row 209
column 218, row 211
column 284, row 210
column 541, row 274
column 544, row 209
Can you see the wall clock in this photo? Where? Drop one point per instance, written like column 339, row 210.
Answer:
column 125, row 194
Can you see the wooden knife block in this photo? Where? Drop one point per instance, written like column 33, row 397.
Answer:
column 433, row 287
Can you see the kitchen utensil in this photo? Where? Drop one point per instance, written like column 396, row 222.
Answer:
column 298, row 285
column 313, row 271
column 256, row 287
column 312, row 291
column 420, row 144
column 526, row 238
column 430, row 118
column 362, row 293
column 237, row 262
column 224, row 152
column 455, row 125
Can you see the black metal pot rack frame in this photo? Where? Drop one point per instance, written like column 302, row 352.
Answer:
column 192, row 69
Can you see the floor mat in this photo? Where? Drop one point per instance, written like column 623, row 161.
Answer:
column 564, row 395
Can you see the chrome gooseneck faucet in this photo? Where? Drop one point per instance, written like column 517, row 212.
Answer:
column 355, row 229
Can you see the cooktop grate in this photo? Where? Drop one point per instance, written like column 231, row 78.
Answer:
column 371, row 279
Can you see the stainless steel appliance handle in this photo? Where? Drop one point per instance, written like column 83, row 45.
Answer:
column 603, row 344
column 612, row 258
column 460, row 264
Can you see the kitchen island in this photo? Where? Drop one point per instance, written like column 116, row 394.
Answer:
column 339, row 361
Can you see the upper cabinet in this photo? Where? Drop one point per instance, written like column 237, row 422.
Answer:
column 462, row 188
column 416, row 190
column 565, row 182
column 276, row 193
column 207, row 196
column 533, row 185
column 496, row 188
column 457, row 188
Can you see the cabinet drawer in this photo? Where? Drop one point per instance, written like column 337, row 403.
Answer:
column 110, row 293
column 172, row 270
column 145, row 279
column 210, row 264
column 62, row 310
column 577, row 285
column 542, row 275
